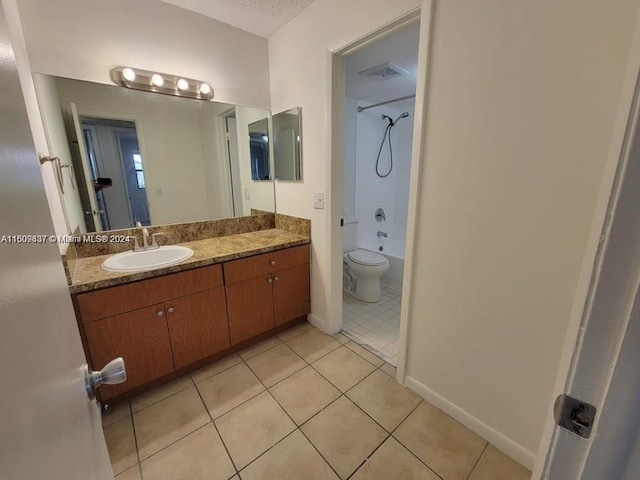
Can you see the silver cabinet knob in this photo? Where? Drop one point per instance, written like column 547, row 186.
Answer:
column 270, row 280
column 160, row 313
column 276, row 279
column 112, row 373
column 171, row 310
column 273, row 262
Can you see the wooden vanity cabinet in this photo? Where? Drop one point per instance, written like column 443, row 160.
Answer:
column 266, row 290
column 186, row 322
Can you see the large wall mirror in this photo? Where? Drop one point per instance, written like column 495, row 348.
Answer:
column 287, row 145
column 130, row 156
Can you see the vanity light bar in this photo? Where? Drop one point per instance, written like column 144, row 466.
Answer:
column 161, row 83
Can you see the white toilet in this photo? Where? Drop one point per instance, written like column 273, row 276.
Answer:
column 363, row 266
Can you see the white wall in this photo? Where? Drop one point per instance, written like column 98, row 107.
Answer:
column 84, row 40
column 521, row 103
column 521, row 99
column 371, row 192
column 299, row 66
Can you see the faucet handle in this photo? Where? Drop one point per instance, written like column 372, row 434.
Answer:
column 136, row 245
column 154, row 242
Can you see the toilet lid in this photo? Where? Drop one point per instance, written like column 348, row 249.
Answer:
column 365, row 257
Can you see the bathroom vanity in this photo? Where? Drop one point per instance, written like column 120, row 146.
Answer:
column 234, row 291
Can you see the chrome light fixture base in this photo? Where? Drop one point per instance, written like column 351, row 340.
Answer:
column 164, row 83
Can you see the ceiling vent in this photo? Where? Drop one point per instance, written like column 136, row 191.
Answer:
column 385, row 71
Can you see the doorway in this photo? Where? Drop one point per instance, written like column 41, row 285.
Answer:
column 117, row 172
column 379, row 109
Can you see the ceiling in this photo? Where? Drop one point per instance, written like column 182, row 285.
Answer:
column 260, row 17
column 400, row 48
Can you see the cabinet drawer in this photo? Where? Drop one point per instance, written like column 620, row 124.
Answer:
column 132, row 296
column 258, row 265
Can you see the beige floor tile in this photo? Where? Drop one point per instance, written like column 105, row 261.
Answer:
column 364, row 353
column 169, row 420
column 344, row 435
column 343, row 368
column 199, row 455
column 215, row 368
column 340, row 338
column 229, row 389
column 445, row 445
column 495, row 465
column 384, row 399
column 295, row 331
column 121, row 445
column 312, row 345
column 260, row 347
column 304, row 394
column 389, row 370
column 160, row 393
column 393, row 461
column 116, row 412
column 132, row 474
column 253, row 428
column 276, row 364
column 294, row 458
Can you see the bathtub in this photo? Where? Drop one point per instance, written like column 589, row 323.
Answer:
column 394, row 252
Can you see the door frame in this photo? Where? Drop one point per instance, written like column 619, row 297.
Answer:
column 577, row 360
column 336, row 59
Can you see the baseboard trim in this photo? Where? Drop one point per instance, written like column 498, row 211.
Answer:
column 508, row 446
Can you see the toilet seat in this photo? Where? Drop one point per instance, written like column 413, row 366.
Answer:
column 367, row 258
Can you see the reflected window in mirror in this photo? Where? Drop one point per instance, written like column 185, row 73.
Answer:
column 287, row 145
column 259, row 150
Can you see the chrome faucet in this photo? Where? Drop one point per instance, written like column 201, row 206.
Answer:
column 382, row 234
column 145, row 239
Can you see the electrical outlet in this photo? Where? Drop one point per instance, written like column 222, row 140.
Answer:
column 247, row 194
column 318, row 200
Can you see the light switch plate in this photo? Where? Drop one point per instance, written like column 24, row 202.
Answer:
column 247, row 194
column 158, row 191
column 318, row 200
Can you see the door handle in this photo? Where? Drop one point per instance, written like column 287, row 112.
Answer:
column 112, row 373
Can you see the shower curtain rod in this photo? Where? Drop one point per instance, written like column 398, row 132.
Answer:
column 362, row 109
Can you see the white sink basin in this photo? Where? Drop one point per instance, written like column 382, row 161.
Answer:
column 146, row 260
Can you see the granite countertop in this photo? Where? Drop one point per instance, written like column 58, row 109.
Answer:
column 88, row 273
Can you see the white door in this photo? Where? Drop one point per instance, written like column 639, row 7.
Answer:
column 49, row 429
column 601, row 358
column 76, row 132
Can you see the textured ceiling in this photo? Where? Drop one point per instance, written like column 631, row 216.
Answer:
column 261, row 17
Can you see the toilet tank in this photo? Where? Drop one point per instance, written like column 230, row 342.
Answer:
column 349, row 234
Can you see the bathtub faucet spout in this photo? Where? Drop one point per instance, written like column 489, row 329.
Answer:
column 382, row 234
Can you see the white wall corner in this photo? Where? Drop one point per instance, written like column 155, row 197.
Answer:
column 319, row 323
column 502, row 442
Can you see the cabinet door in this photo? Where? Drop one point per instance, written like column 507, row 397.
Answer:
column 291, row 296
column 250, row 306
column 197, row 326
column 140, row 337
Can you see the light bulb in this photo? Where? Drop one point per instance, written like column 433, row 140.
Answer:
column 157, row 80
column 182, row 84
column 128, row 74
column 205, row 88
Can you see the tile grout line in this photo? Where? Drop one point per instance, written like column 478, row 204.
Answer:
column 478, row 460
column 297, row 427
column 233, row 463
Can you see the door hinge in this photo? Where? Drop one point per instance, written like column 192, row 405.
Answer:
column 574, row 415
